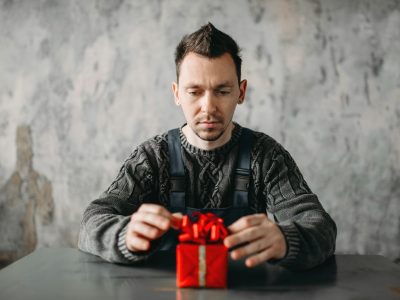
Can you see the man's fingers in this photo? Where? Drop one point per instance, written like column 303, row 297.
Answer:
column 246, row 235
column 136, row 243
column 154, row 209
column 154, row 220
column 250, row 248
column 176, row 220
column 269, row 244
column 146, row 231
column 259, row 258
column 246, row 222
column 178, row 215
column 147, row 224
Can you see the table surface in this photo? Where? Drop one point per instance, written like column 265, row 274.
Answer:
column 66, row 273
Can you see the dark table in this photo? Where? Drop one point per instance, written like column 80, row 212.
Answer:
column 71, row 274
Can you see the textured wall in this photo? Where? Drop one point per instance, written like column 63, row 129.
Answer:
column 83, row 82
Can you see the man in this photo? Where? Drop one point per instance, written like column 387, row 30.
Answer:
column 210, row 164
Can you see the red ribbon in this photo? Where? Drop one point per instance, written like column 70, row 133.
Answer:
column 208, row 228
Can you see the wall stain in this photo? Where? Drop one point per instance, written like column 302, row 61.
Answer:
column 44, row 49
column 107, row 7
column 323, row 75
column 344, row 101
column 366, row 88
column 318, row 7
column 320, row 35
column 376, row 64
column 262, row 53
column 7, row 4
column 26, row 202
column 334, row 63
column 256, row 9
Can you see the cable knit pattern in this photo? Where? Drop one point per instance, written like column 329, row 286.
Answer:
column 276, row 186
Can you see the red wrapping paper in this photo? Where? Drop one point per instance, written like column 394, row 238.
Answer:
column 201, row 257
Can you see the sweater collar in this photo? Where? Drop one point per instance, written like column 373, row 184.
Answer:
column 236, row 132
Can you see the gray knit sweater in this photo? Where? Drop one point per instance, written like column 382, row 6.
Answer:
column 276, row 186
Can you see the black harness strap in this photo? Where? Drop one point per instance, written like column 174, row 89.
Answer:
column 177, row 172
column 242, row 172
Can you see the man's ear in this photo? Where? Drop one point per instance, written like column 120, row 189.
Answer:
column 242, row 90
column 175, row 91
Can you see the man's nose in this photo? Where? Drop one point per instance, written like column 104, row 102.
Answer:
column 208, row 104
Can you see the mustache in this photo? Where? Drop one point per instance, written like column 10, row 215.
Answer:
column 209, row 118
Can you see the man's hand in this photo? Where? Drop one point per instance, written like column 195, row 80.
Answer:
column 263, row 240
column 150, row 222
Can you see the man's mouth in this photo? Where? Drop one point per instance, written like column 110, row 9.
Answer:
column 210, row 120
column 209, row 124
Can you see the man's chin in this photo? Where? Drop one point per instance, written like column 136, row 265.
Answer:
column 209, row 135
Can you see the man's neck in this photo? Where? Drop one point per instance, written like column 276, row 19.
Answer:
column 196, row 141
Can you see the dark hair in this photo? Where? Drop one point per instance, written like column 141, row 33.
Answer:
column 210, row 42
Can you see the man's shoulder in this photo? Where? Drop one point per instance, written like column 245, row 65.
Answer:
column 155, row 142
column 268, row 149
column 152, row 149
column 263, row 141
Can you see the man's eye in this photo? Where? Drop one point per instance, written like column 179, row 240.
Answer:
column 193, row 93
column 223, row 92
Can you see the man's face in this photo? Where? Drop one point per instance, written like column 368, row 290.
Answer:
column 208, row 92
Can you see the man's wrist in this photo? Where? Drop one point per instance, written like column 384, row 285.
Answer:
column 292, row 241
column 122, row 246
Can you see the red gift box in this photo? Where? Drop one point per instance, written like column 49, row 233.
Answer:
column 201, row 257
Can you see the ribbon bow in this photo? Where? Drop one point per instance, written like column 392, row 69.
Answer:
column 203, row 229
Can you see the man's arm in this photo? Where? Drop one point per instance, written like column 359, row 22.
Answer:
column 309, row 230
column 304, row 235
column 105, row 222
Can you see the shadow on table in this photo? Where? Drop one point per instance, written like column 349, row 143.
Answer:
column 156, row 277
column 270, row 277
column 265, row 277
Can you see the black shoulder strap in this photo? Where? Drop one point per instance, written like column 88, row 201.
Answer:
column 243, row 170
column 176, row 171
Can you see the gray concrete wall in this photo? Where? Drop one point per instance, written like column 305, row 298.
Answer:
column 83, row 82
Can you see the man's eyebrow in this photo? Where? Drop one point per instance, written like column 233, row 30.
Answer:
column 224, row 85
column 192, row 85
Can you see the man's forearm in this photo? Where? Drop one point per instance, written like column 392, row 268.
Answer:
column 310, row 238
column 102, row 233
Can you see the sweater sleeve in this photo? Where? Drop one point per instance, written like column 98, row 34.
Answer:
column 104, row 223
column 309, row 231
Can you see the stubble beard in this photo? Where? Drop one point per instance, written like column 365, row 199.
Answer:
column 207, row 137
